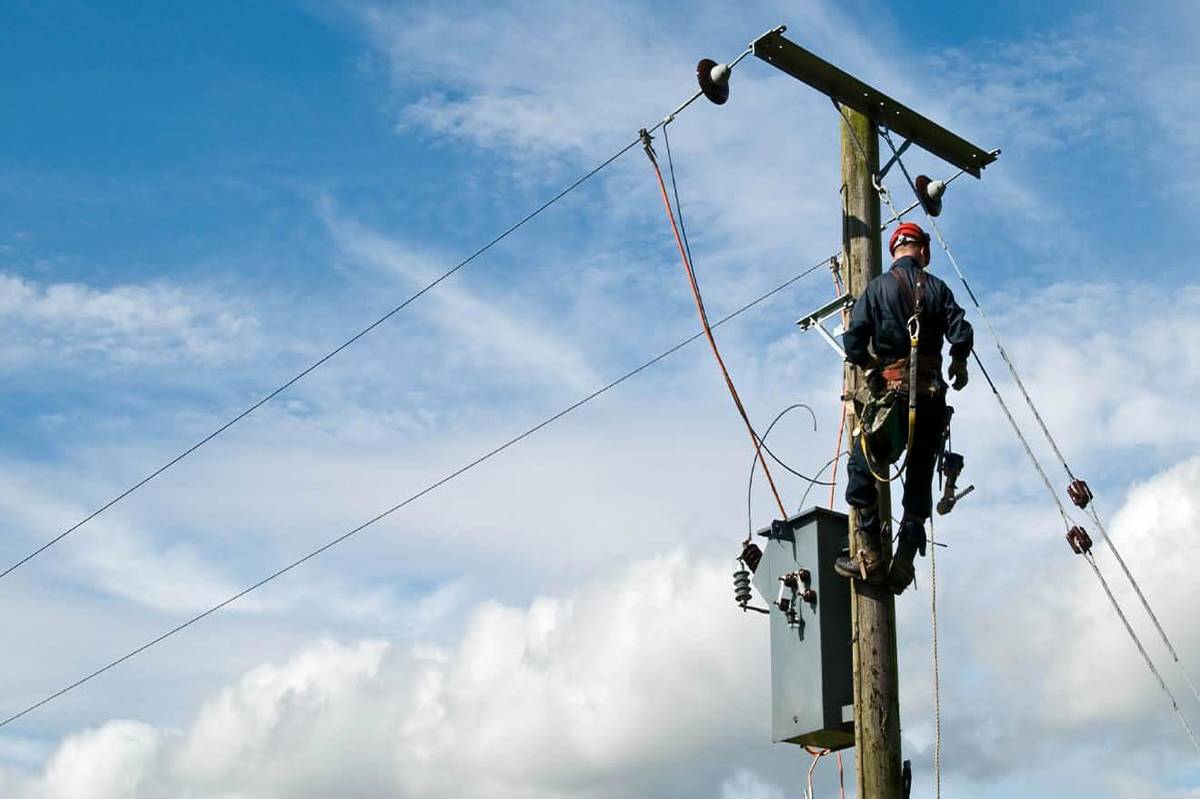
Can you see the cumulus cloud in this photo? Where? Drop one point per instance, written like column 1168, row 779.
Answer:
column 130, row 324
column 642, row 683
column 611, row 690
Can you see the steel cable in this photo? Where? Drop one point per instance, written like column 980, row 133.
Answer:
column 320, row 361
column 1058, row 454
column 413, row 498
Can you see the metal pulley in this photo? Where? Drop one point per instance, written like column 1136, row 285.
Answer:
column 714, row 80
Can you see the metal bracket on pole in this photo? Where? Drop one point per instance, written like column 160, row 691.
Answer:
column 815, row 320
column 899, row 152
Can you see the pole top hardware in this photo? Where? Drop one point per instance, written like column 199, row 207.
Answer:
column 786, row 55
column 714, row 80
column 815, row 320
column 930, row 192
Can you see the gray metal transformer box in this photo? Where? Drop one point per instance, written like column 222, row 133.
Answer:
column 811, row 676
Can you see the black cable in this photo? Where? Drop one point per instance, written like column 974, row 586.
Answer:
column 675, row 190
column 318, row 363
column 763, row 443
column 820, row 472
column 433, row 486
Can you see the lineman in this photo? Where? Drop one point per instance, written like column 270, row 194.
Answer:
column 879, row 340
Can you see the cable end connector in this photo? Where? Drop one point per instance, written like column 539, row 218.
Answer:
column 646, row 138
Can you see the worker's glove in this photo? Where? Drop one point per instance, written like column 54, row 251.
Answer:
column 958, row 374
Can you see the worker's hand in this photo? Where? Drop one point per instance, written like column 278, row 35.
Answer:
column 958, row 374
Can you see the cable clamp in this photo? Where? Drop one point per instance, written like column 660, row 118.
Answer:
column 1080, row 541
column 646, row 138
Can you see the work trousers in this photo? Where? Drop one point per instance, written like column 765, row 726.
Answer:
column 861, row 489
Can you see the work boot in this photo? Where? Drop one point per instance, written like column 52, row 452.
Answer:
column 867, row 564
column 911, row 541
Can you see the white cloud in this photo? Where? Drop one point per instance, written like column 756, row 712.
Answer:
column 607, row 688
column 604, row 692
column 110, row 762
column 130, row 324
column 495, row 333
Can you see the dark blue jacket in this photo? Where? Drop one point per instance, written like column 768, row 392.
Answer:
column 880, row 317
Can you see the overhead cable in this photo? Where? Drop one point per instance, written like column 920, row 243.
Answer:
column 685, row 255
column 338, row 349
column 754, row 462
column 1037, row 465
column 413, row 498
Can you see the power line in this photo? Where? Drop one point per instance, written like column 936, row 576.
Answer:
column 321, row 361
column 431, row 487
column 1037, row 465
column 684, row 251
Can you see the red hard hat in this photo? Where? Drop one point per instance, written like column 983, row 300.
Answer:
column 907, row 231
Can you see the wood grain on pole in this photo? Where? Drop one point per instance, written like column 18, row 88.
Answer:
column 873, row 613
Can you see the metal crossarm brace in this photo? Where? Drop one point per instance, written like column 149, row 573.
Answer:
column 893, row 159
column 814, row 320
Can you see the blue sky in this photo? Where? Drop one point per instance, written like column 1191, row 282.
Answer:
column 195, row 203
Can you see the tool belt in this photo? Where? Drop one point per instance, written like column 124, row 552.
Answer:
column 895, row 375
column 881, row 422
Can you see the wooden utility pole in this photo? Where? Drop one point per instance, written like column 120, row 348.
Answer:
column 873, row 609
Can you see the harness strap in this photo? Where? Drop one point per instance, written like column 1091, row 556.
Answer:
column 917, row 296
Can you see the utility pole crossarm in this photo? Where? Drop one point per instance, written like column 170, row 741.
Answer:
column 787, row 56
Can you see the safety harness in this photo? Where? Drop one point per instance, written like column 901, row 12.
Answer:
column 880, row 426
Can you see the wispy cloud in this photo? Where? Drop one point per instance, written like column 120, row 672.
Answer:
column 131, row 324
column 496, row 333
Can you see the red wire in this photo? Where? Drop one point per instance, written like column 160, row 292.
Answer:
column 687, row 265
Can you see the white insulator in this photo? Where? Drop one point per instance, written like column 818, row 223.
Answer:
column 720, row 74
column 936, row 189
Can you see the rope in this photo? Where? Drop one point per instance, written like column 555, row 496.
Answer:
column 1058, row 453
column 428, row 489
column 1028, row 450
column 1024, row 441
column 1094, row 515
column 837, row 448
column 937, row 685
column 712, row 342
column 1137, row 642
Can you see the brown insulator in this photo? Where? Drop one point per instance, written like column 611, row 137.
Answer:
column 1079, row 493
column 1079, row 540
column 751, row 555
